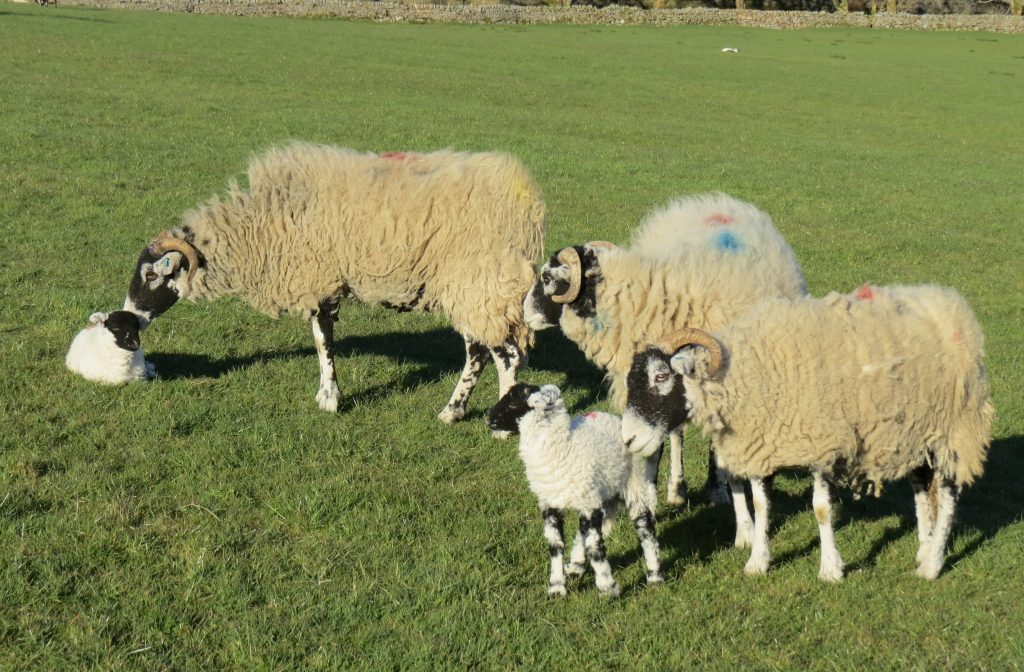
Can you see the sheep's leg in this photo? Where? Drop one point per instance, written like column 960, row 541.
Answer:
column 577, row 565
column 508, row 358
column 556, row 545
column 744, row 523
column 593, row 540
column 946, row 494
column 322, row 324
column 717, row 485
column 921, row 480
column 676, row 488
column 476, row 359
column 831, row 562
column 760, row 557
column 643, row 521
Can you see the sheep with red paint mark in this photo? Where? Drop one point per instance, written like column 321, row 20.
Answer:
column 860, row 389
column 700, row 261
column 449, row 231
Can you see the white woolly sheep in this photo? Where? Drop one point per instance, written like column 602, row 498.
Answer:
column 860, row 390
column 701, row 261
column 448, row 231
column 108, row 350
column 580, row 464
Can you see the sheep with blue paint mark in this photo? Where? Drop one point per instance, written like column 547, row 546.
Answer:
column 700, row 261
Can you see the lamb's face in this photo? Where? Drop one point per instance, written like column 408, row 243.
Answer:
column 541, row 310
column 655, row 401
column 124, row 327
column 506, row 414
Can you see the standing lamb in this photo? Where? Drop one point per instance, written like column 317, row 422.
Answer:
column 859, row 390
column 701, row 261
column 580, row 464
column 448, row 231
column 108, row 350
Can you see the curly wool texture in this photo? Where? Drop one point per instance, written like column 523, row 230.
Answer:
column 699, row 262
column 864, row 388
column 446, row 230
column 578, row 463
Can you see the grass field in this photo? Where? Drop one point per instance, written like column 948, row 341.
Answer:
column 215, row 519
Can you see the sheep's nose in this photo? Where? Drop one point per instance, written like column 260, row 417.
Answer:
column 629, row 442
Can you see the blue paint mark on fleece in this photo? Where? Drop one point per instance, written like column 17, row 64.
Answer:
column 725, row 241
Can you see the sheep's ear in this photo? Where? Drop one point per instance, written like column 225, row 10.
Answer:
column 684, row 362
column 98, row 318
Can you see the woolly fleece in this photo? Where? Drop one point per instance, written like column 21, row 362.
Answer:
column 95, row 356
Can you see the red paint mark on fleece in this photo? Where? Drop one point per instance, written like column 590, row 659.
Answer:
column 865, row 293
column 958, row 337
column 591, row 416
column 718, row 219
column 395, row 156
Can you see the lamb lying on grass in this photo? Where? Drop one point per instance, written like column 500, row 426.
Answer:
column 108, row 350
column 581, row 464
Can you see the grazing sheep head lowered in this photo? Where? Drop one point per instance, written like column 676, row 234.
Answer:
column 164, row 267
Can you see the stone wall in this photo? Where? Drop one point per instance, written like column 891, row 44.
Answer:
column 612, row 15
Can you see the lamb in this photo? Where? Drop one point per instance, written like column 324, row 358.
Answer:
column 448, row 231
column 108, row 350
column 700, row 261
column 580, row 464
column 858, row 389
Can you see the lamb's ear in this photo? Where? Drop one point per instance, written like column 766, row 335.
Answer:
column 684, row 362
column 98, row 318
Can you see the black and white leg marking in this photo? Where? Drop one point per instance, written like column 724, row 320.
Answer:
column 921, row 480
column 553, row 532
column 831, row 562
column 760, row 556
column 946, row 495
column 643, row 521
column 508, row 358
column 322, row 325
column 593, row 540
column 476, row 359
column 577, row 565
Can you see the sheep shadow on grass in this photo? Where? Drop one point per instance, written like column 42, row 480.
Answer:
column 435, row 354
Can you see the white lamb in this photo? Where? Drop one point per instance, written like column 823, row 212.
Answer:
column 108, row 350
column 581, row 464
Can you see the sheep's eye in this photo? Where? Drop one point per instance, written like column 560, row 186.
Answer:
column 660, row 377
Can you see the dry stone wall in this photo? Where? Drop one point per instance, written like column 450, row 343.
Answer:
column 611, row 15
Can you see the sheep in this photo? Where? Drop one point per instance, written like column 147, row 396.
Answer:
column 580, row 464
column 700, row 261
column 858, row 389
column 108, row 350
column 448, row 231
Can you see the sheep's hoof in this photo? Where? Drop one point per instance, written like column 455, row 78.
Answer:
column 922, row 554
column 677, row 496
column 719, row 495
column 150, row 371
column 451, row 414
column 833, row 574
column 654, row 578
column 328, row 397
column 575, row 569
column 929, row 570
column 756, row 567
column 500, row 434
column 744, row 537
column 611, row 591
column 556, row 590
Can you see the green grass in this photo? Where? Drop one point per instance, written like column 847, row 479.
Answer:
column 215, row 519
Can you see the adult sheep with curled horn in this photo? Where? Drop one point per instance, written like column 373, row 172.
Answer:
column 449, row 231
column 858, row 389
column 700, row 261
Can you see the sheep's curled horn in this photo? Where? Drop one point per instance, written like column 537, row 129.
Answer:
column 571, row 258
column 165, row 242
column 689, row 336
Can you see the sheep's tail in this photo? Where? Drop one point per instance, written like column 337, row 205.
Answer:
column 969, row 441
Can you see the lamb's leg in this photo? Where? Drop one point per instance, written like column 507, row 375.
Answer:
column 556, row 545
column 760, row 557
column 921, row 480
column 718, row 481
column 476, row 359
column 641, row 500
column 946, row 494
column 643, row 520
column 744, row 523
column 577, row 565
column 593, row 540
column 831, row 562
column 322, row 324
column 676, row 488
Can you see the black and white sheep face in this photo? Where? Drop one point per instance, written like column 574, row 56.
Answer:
column 540, row 310
column 153, row 290
column 655, row 401
column 506, row 414
column 124, row 326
